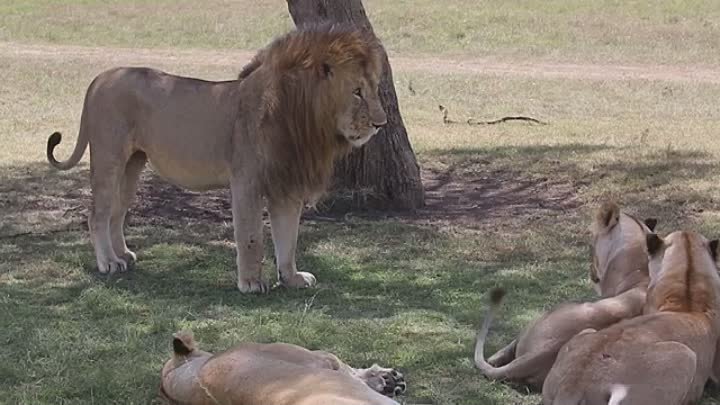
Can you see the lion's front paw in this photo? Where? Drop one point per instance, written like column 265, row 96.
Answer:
column 110, row 266
column 252, row 285
column 300, row 279
column 386, row 381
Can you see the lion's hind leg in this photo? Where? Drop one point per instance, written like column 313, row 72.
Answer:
column 128, row 188
column 105, row 178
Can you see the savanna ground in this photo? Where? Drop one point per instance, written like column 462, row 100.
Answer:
column 629, row 91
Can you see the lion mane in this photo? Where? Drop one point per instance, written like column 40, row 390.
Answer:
column 300, row 105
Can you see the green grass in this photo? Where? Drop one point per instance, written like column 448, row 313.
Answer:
column 404, row 292
column 667, row 31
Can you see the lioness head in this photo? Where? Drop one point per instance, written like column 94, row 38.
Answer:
column 683, row 274
column 618, row 257
column 178, row 382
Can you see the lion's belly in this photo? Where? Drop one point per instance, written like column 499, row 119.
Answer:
column 192, row 153
column 193, row 174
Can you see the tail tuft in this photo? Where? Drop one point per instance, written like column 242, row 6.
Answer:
column 52, row 142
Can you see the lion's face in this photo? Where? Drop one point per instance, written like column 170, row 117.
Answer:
column 362, row 116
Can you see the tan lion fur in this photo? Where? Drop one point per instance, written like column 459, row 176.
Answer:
column 620, row 271
column 273, row 134
column 277, row 374
column 661, row 358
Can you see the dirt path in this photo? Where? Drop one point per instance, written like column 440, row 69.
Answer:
column 480, row 66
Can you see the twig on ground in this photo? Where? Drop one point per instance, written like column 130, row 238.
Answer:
column 473, row 121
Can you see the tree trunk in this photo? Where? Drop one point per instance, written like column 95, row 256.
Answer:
column 384, row 173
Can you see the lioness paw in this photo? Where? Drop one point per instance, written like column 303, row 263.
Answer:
column 386, row 381
column 300, row 279
column 252, row 286
column 110, row 266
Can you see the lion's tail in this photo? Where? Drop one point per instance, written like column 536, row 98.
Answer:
column 80, row 146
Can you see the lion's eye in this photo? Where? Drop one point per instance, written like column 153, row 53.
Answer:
column 358, row 92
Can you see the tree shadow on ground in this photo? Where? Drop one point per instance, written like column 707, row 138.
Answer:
column 515, row 217
column 479, row 188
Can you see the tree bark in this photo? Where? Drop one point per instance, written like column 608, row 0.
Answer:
column 384, row 173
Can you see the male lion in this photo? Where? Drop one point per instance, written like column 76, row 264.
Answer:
column 619, row 271
column 271, row 374
column 663, row 357
column 273, row 133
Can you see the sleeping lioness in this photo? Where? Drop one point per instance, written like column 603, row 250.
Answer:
column 619, row 271
column 271, row 374
column 661, row 358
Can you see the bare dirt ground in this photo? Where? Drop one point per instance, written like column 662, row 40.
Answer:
column 498, row 198
column 486, row 66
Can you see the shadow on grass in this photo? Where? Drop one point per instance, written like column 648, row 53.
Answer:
column 406, row 289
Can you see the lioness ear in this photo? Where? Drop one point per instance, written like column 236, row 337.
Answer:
column 606, row 217
column 713, row 249
column 183, row 343
column 654, row 243
column 651, row 223
column 327, row 70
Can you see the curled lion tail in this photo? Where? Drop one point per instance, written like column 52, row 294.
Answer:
column 82, row 143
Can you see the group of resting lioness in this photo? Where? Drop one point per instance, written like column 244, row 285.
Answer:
column 652, row 337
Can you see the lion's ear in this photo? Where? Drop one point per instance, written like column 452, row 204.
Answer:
column 654, row 243
column 713, row 249
column 651, row 223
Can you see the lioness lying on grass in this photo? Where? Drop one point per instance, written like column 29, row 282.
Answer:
column 619, row 271
column 271, row 374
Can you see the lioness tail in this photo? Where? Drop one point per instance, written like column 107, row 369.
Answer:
column 496, row 296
